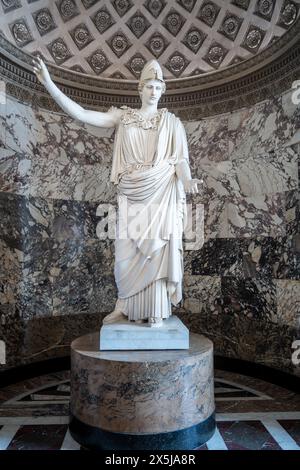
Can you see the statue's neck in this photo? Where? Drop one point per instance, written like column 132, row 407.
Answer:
column 148, row 110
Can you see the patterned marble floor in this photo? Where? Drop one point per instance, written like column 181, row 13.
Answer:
column 251, row 415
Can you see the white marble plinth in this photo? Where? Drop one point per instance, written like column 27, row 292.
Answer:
column 129, row 336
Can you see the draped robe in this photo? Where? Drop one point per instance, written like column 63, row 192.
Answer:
column 151, row 213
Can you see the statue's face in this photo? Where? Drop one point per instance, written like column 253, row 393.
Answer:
column 151, row 92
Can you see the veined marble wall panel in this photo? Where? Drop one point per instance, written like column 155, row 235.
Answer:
column 272, row 172
column 288, row 303
column 201, row 294
column 255, row 175
column 261, row 128
column 60, row 158
column 247, row 338
column 82, row 276
column 276, row 258
column 15, row 169
column 241, row 288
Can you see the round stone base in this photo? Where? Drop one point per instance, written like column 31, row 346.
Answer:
column 142, row 400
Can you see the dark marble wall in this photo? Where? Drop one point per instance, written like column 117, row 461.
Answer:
column 241, row 288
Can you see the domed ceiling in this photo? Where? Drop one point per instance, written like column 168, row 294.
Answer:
column 113, row 39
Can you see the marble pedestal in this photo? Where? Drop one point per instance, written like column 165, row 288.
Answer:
column 142, row 400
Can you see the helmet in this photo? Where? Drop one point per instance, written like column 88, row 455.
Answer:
column 151, row 71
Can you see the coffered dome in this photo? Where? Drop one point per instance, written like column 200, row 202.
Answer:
column 113, row 39
column 216, row 55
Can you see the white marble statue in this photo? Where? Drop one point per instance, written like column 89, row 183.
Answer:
column 150, row 167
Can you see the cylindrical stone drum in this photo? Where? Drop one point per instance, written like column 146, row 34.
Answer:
column 142, row 400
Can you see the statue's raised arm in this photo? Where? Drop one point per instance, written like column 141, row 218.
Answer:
column 96, row 118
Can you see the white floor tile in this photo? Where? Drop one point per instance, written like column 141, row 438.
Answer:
column 6, row 435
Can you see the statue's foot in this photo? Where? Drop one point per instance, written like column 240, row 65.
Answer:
column 155, row 322
column 114, row 317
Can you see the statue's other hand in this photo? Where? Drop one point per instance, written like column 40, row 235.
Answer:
column 41, row 70
column 191, row 186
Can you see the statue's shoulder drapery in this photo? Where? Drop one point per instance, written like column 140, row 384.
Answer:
column 171, row 137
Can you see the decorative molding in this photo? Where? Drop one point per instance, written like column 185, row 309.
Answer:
column 67, row 9
column 188, row 5
column 155, row 7
column 81, row 36
column 253, row 38
column 157, row 44
column 264, row 9
column 102, row 19
column 44, row 21
column 244, row 4
column 194, row 39
column 119, row 43
column 136, row 64
column 59, row 50
column 21, row 32
column 208, row 13
column 173, row 22
column 230, row 26
column 288, row 14
column 122, row 6
column 138, row 24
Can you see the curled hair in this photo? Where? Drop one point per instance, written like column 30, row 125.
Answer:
column 143, row 82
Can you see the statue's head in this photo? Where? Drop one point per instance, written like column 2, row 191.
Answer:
column 152, row 76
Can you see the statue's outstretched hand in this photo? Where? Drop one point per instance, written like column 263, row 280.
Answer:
column 41, row 71
column 191, row 186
